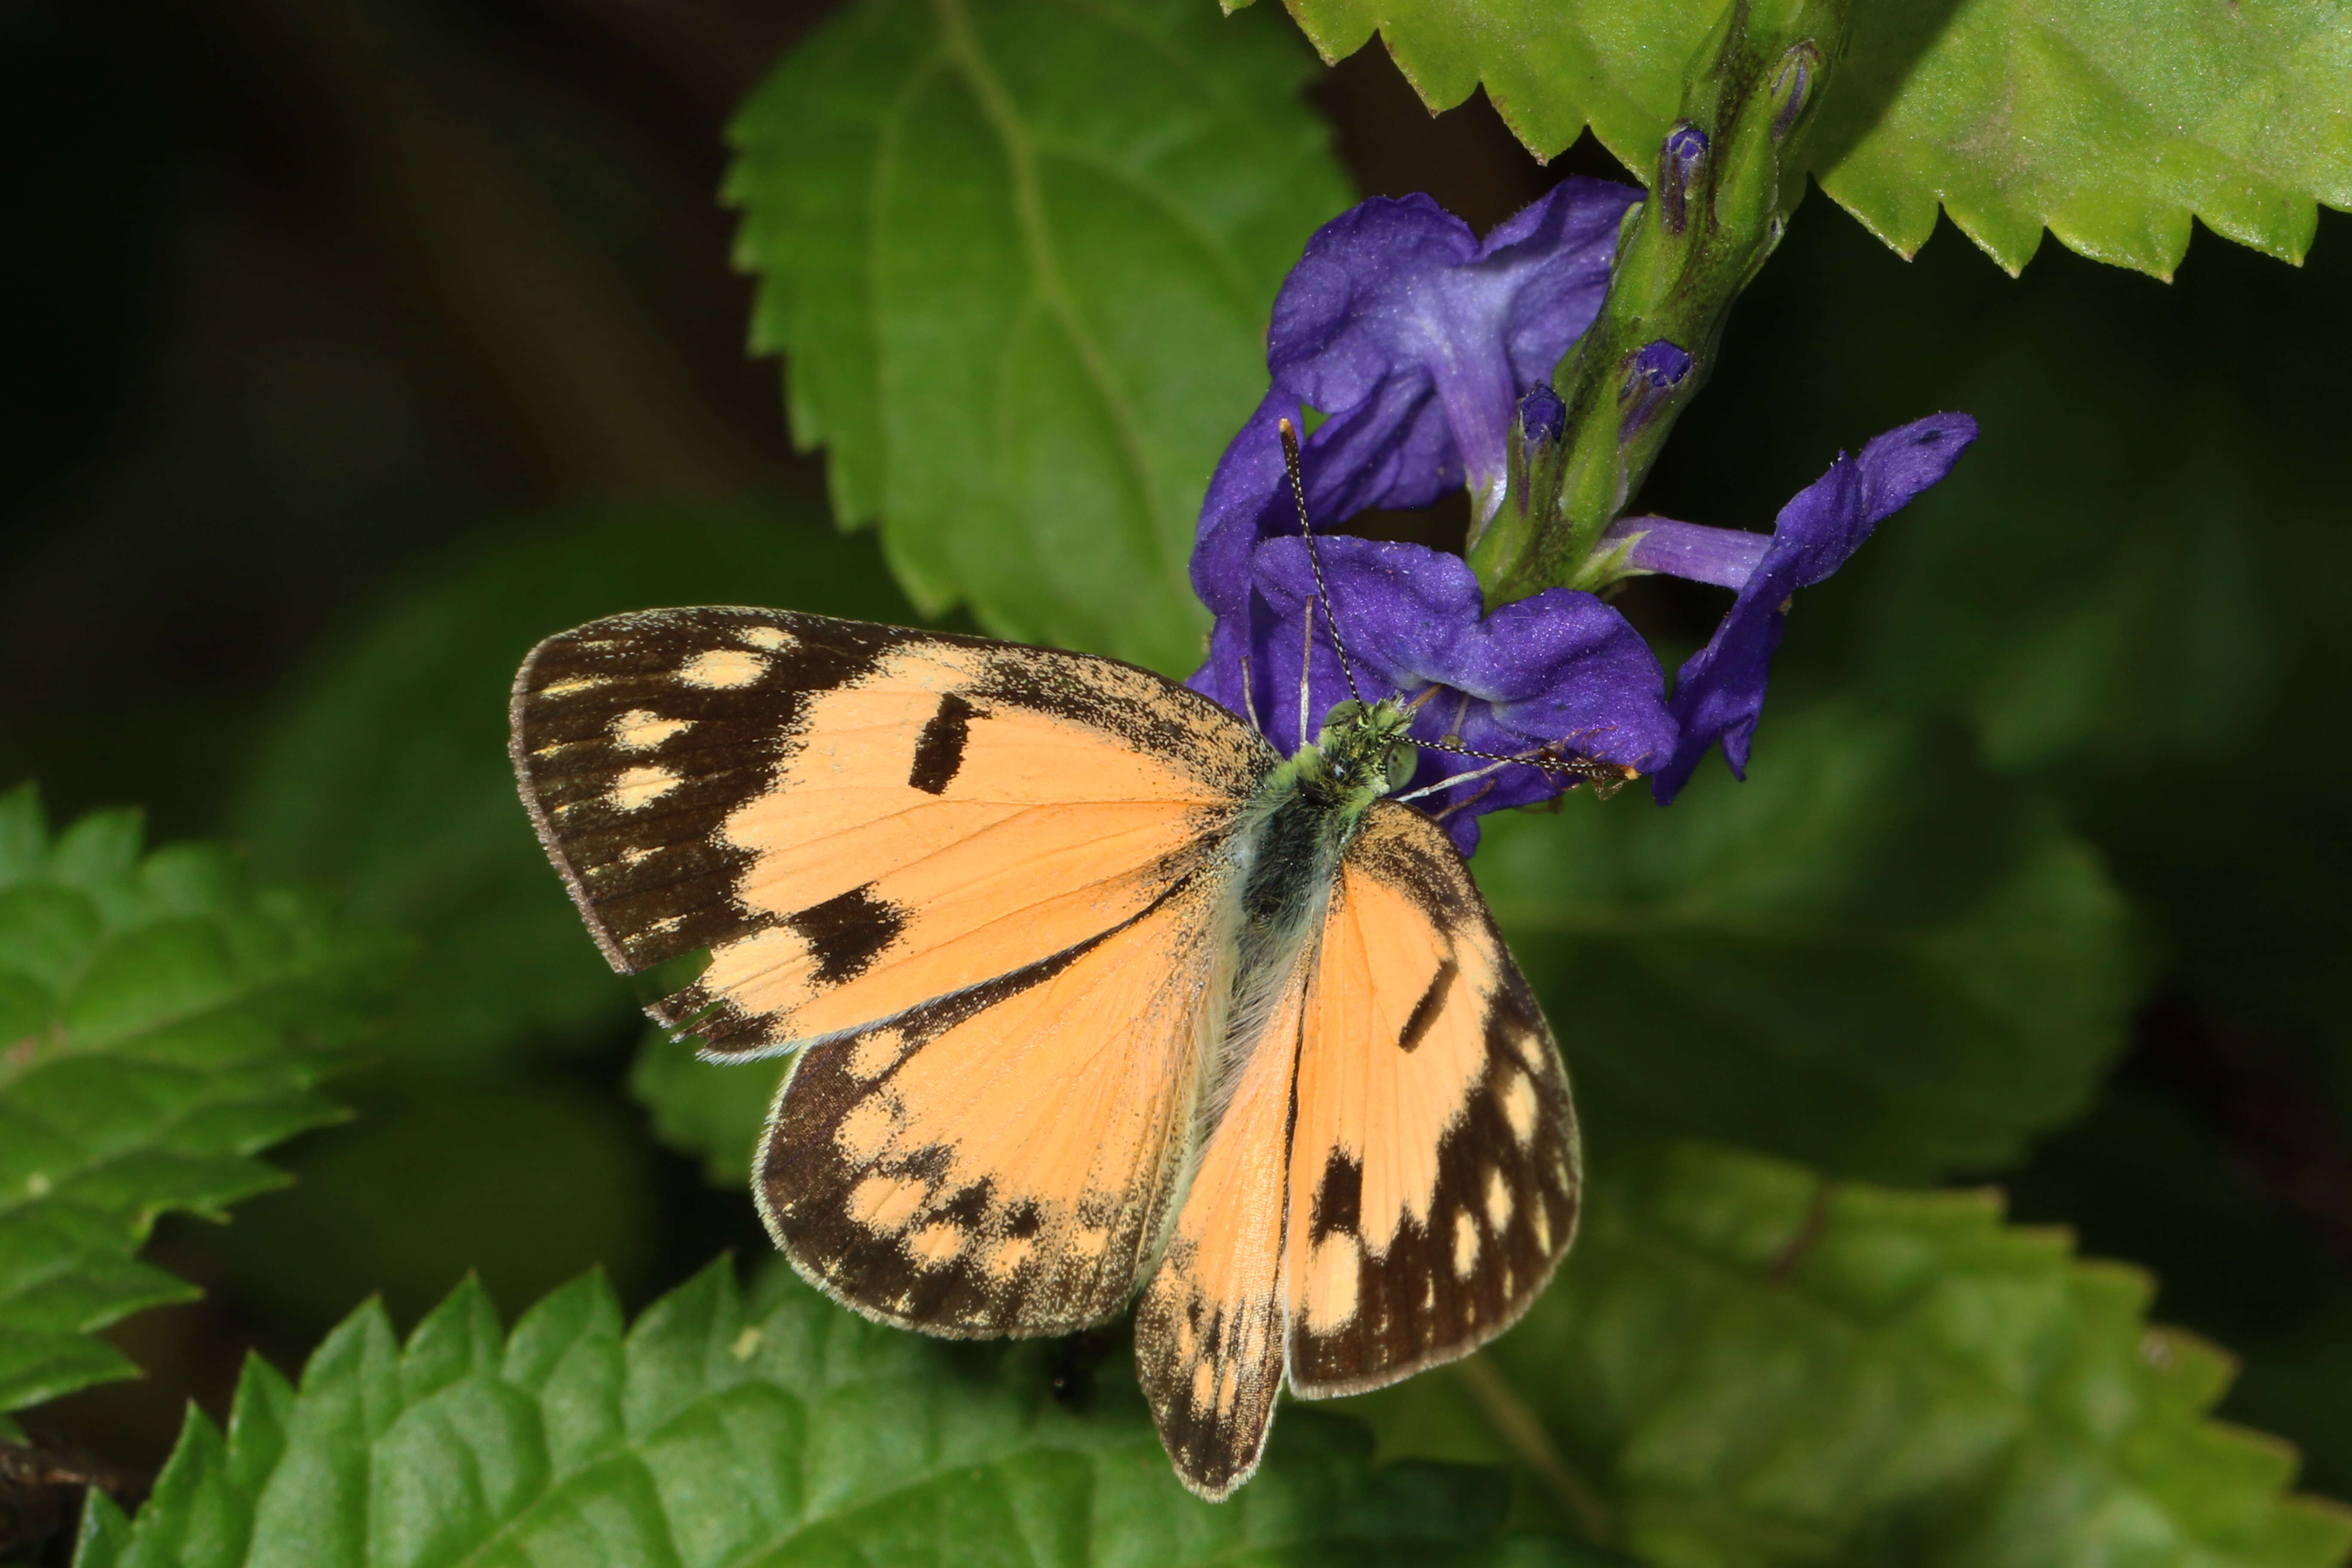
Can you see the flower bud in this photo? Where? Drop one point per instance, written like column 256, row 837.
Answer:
column 1542, row 416
column 1682, row 164
column 1538, row 454
column 1653, row 372
column 1793, row 85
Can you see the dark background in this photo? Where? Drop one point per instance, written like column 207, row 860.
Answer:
column 314, row 297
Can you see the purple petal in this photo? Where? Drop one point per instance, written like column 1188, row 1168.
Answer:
column 1417, row 340
column 1725, row 557
column 1560, row 668
column 1719, row 690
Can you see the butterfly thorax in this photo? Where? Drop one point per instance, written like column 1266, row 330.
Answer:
column 1362, row 753
column 1307, row 811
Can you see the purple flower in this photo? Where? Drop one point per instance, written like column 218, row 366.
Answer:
column 1426, row 352
column 1559, row 670
column 1415, row 340
column 1719, row 691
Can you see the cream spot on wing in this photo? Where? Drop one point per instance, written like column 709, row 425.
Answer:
column 1466, row 1246
column 1333, row 1284
column 1498, row 1199
column 1229, row 1388
column 664, row 925
column 884, row 1202
column 635, row 857
column 640, row 730
column 1541, row 1215
column 1087, row 1242
column 936, row 1244
column 1204, row 1384
column 1003, row 1260
column 774, row 640
column 1187, row 1341
column 770, row 971
column 723, row 669
column 874, row 1054
column 1519, row 1106
column 866, row 1131
column 640, row 786
column 1428, row 1291
column 571, row 684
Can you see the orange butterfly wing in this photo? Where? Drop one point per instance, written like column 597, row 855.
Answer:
column 1395, row 1176
column 856, row 819
column 1003, row 1162
column 1434, row 1167
column 977, row 885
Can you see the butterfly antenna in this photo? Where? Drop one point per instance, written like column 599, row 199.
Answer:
column 1314, row 559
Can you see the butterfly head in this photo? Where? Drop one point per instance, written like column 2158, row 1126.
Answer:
column 1363, row 751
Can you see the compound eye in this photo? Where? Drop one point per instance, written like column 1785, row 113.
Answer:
column 1403, row 760
column 1348, row 712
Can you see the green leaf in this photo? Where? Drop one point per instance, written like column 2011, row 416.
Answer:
column 1020, row 258
column 2142, row 1177
column 161, row 1022
column 1742, row 1363
column 387, row 773
column 1871, row 956
column 2108, row 123
column 713, row 1432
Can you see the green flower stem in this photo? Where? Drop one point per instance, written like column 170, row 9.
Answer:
column 1683, row 255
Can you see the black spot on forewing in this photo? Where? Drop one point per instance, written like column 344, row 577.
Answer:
column 847, row 934
column 938, row 749
column 1338, row 1197
column 1431, row 1002
column 1149, row 712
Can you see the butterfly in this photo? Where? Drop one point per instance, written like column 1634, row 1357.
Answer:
column 1091, row 997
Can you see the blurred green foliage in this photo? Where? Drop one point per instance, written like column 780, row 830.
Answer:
column 1874, row 956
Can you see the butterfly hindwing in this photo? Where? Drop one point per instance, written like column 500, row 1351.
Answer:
column 1209, row 1328
column 855, row 819
column 1433, row 1177
column 1001, row 1162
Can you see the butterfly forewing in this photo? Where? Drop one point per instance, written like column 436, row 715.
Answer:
column 1433, row 1164
column 855, row 819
